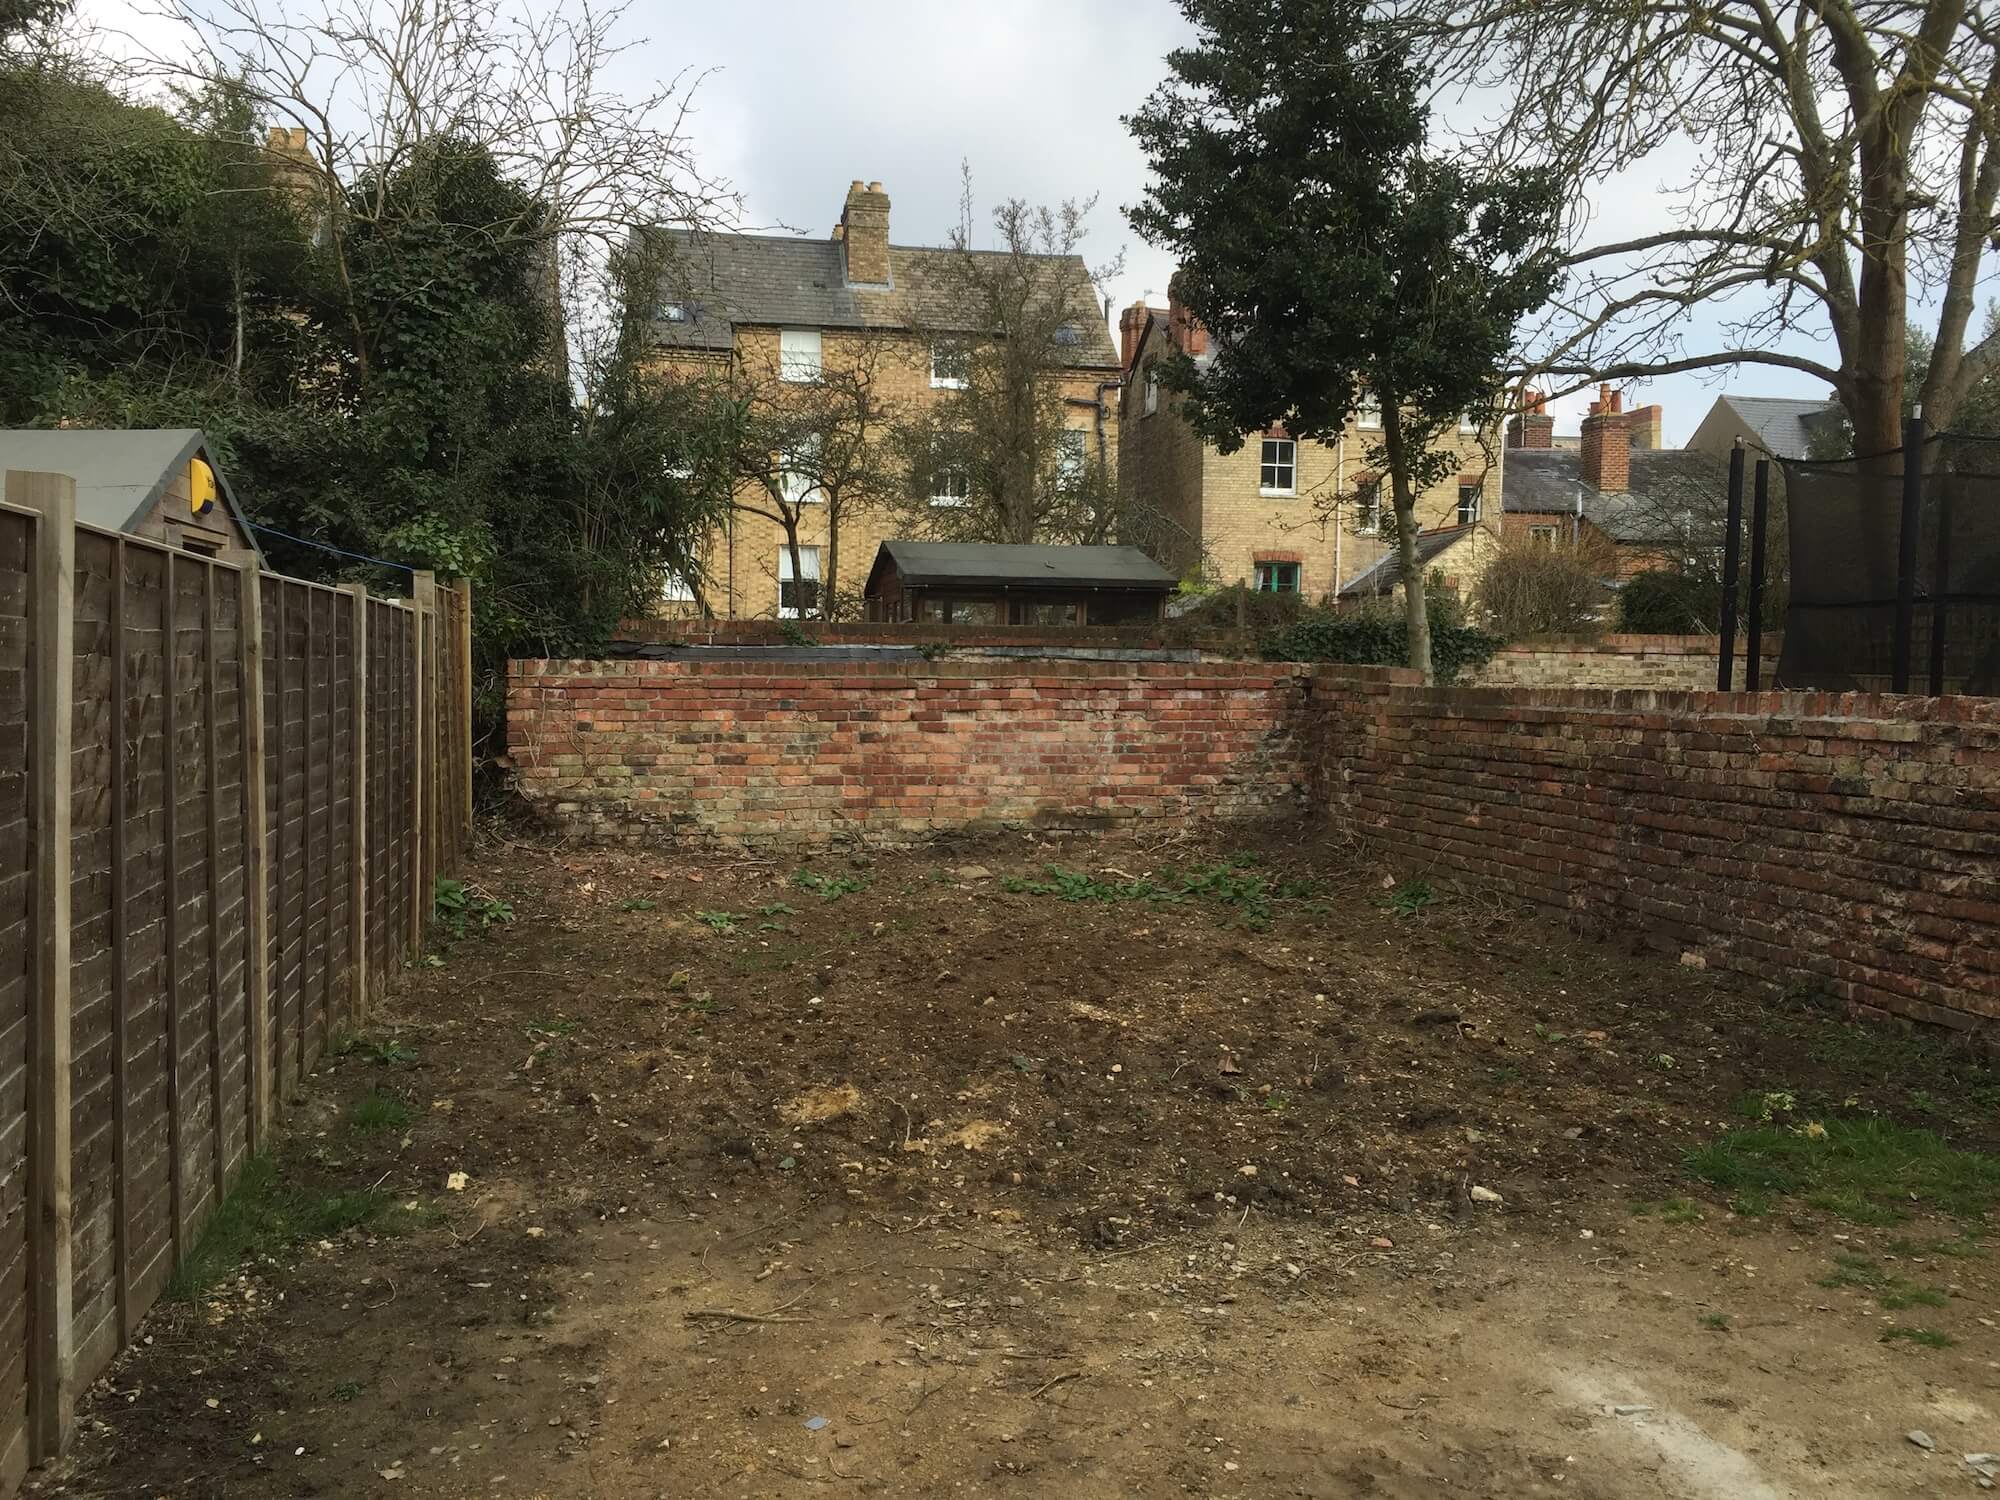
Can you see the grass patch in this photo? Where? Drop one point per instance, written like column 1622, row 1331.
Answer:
column 1930, row 1338
column 266, row 1216
column 551, row 1031
column 379, row 1109
column 1868, row 1171
column 1410, row 897
column 638, row 903
column 1715, row 1322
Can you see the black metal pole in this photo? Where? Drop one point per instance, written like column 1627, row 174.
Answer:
column 1760, row 520
column 1732, row 550
column 1940, row 586
column 1906, row 553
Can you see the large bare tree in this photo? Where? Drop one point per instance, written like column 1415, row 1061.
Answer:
column 368, row 88
column 1831, row 169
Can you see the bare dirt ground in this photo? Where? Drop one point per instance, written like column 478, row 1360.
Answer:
column 939, row 1174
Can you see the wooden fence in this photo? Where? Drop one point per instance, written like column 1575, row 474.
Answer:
column 225, row 797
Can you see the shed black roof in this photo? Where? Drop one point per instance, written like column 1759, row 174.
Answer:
column 997, row 565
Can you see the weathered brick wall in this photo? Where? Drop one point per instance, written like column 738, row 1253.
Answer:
column 1844, row 840
column 809, row 752
column 1667, row 663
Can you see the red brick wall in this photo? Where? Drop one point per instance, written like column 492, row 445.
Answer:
column 1847, row 841
column 748, row 753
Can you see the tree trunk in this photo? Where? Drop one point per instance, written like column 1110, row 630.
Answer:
column 1415, row 614
column 791, row 525
column 830, row 567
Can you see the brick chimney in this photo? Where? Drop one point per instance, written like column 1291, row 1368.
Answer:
column 1534, row 427
column 1188, row 335
column 1607, row 444
column 1644, row 425
column 864, row 234
column 1131, row 328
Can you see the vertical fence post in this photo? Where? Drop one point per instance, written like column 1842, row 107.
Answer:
column 423, row 595
column 256, row 845
column 1760, row 520
column 1732, row 551
column 170, row 797
column 121, row 938
column 357, row 899
column 51, row 1352
column 1906, row 553
column 212, row 751
column 1940, row 586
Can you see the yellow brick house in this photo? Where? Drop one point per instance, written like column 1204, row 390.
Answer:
column 801, row 308
column 1279, row 514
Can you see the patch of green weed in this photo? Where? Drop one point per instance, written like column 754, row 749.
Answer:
column 265, row 1215
column 1930, row 1338
column 829, row 887
column 638, row 903
column 1715, row 1322
column 718, row 921
column 1408, row 898
column 457, row 909
column 379, row 1109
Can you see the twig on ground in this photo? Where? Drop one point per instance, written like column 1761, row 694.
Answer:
column 775, row 1315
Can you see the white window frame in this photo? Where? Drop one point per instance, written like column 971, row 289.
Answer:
column 801, row 355
column 675, row 589
column 1468, row 424
column 1546, row 535
column 953, row 489
column 1368, row 415
column 809, row 560
column 1289, row 464
column 1152, row 391
column 798, row 488
column 1478, row 503
column 949, row 382
column 673, row 312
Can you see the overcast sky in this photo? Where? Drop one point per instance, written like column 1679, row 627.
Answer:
column 803, row 96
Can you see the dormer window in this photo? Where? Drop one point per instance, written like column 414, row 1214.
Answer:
column 1069, row 335
column 673, row 312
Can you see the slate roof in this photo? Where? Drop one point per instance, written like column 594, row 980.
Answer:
column 1546, row 481
column 120, row 473
column 727, row 281
column 994, row 564
column 1782, row 425
column 1387, row 571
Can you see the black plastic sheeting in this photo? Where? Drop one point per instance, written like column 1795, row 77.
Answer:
column 1845, row 533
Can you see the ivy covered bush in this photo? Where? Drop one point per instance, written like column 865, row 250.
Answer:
column 1375, row 634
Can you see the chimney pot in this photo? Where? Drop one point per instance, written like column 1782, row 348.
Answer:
column 1607, row 449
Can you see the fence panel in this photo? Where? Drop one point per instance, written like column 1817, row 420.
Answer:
column 182, row 747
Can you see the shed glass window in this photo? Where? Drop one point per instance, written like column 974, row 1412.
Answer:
column 798, row 597
column 1048, row 614
column 1277, row 578
column 799, row 354
column 1277, row 470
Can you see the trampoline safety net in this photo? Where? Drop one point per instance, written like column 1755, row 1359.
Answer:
column 1845, row 535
